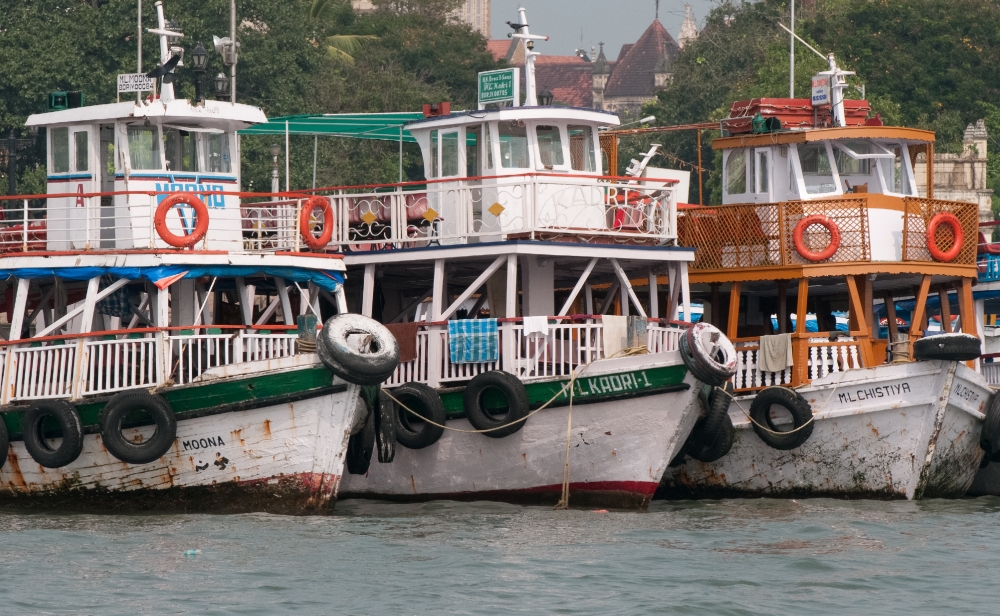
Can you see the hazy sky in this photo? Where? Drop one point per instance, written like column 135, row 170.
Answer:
column 615, row 22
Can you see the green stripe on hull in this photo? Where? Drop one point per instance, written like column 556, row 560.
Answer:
column 586, row 388
column 200, row 396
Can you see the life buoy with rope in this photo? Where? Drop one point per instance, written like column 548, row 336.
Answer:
column 800, row 245
column 200, row 227
column 316, row 243
column 949, row 219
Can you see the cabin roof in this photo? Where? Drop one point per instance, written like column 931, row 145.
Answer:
column 552, row 113
column 212, row 113
column 823, row 134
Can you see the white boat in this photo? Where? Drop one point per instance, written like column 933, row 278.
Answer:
column 822, row 215
column 145, row 365
column 518, row 215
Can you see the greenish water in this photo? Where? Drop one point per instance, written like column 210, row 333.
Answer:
column 708, row 557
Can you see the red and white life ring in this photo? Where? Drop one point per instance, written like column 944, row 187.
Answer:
column 800, row 245
column 944, row 218
column 316, row 243
column 200, row 227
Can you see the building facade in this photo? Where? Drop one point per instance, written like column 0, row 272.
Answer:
column 962, row 177
column 475, row 13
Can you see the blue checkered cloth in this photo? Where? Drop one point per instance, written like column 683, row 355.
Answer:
column 471, row 341
column 117, row 304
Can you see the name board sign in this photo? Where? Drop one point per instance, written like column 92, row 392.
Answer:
column 500, row 86
column 820, row 90
column 134, row 82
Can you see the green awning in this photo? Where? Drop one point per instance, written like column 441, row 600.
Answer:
column 385, row 126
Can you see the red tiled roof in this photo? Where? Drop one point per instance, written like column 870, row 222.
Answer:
column 568, row 78
column 498, row 47
column 633, row 74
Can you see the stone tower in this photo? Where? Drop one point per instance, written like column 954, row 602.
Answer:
column 600, row 74
column 689, row 29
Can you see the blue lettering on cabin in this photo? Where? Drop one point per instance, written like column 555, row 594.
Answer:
column 203, row 190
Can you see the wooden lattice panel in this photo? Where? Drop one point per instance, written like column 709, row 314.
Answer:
column 919, row 213
column 731, row 236
column 851, row 219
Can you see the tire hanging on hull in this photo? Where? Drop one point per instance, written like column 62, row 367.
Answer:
column 131, row 402
column 411, row 432
column 483, row 406
column 360, row 447
column 35, row 442
column 791, row 401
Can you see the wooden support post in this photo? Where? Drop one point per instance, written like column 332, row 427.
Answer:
column 867, row 303
column 800, row 341
column 967, row 313
column 734, row 311
column 782, row 306
column 511, row 286
column 654, row 299
column 920, row 310
column 890, row 314
column 858, row 319
column 682, row 271
column 930, row 170
column 945, row 309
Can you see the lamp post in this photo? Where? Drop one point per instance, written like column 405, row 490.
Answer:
column 275, row 150
column 221, row 87
column 545, row 97
column 199, row 58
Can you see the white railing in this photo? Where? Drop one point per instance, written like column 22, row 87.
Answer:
column 824, row 358
column 193, row 354
column 566, row 347
column 42, row 372
column 748, row 373
column 990, row 371
column 116, row 365
column 536, row 206
column 268, row 346
column 832, row 357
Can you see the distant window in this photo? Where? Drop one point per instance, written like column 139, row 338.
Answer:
column 144, row 147
column 549, row 146
column 60, row 150
column 736, row 172
column 449, row 154
column 80, row 140
column 216, row 152
column 180, row 149
column 513, row 145
column 581, row 148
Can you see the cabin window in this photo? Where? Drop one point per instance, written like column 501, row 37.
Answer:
column 216, row 152
column 435, row 150
column 817, row 172
column 549, row 146
column 449, row 154
column 179, row 146
column 513, row 145
column 81, row 142
column 762, row 172
column 144, row 147
column 472, row 151
column 736, row 172
column 60, row 150
column 489, row 145
column 581, row 148
column 850, row 165
column 896, row 179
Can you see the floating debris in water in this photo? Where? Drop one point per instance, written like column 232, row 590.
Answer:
column 192, row 552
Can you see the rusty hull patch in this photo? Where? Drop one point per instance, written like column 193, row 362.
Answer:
column 302, row 494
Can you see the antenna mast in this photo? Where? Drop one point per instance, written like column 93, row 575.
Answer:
column 521, row 32
column 791, row 61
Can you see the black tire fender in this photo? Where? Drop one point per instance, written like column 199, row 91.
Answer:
column 4, row 442
column 795, row 404
column 950, row 347
column 116, row 412
column 360, row 447
column 68, row 418
column 482, row 417
column 708, row 354
column 718, row 448
column 989, row 439
column 371, row 365
column 411, row 432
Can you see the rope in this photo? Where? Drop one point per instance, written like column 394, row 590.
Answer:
column 573, row 376
column 732, row 398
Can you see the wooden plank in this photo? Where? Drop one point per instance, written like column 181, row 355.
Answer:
column 782, row 306
column 858, row 317
column 734, row 311
column 967, row 308
column 801, row 306
column 579, row 285
column 920, row 310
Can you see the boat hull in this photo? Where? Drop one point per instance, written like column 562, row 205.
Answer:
column 902, row 431
column 619, row 449
column 280, row 455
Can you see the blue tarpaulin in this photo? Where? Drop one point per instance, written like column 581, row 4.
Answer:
column 329, row 280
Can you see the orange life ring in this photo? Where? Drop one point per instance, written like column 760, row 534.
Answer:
column 952, row 221
column 316, row 243
column 200, row 228
column 800, row 245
